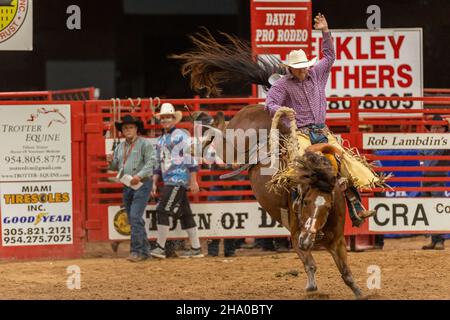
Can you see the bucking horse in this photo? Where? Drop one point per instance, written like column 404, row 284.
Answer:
column 311, row 205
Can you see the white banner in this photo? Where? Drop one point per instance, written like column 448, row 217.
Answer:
column 405, row 141
column 231, row 219
column 36, row 213
column 410, row 214
column 35, row 143
column 386, row 62
column 16, row 25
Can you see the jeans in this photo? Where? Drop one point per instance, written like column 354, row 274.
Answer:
column 315, row 134
column 135, row 202
column 228, row 247
column 435, row 194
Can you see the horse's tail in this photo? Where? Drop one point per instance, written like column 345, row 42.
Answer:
column 210, row 63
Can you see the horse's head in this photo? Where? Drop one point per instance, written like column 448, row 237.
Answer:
column 316, row 181
column 315, row 208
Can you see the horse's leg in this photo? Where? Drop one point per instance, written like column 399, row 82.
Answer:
column 308, row 263
column 339, row 254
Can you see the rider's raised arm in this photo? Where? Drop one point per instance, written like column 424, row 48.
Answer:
column 323, row 67
column 275, row 98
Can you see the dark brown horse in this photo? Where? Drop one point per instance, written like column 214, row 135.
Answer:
column 318, row 215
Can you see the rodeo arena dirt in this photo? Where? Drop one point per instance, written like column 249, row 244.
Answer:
column 304, row 160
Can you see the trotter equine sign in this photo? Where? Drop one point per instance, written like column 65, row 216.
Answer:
column 36, row 143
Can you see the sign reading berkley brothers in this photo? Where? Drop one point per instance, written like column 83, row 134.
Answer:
column 35, row 143
column 381, row 63
column 16, row 25
column 280, row 26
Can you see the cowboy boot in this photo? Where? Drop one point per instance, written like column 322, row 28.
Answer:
column 434, row 246
column 439, row 245
column 356, row 209
column 429, row 246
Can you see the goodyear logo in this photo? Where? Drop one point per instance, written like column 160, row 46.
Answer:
column 40, row 218
column 12, row 16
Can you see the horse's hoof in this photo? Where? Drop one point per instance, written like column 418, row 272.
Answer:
column 311, row 288
column 360, row 296
column 317, row 296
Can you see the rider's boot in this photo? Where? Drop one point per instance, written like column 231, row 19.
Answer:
column 355, row 207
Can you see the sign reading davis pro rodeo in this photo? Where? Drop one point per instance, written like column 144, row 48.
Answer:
column 36, row 213
column 36, row 143
column 277, row 27
column 410, row 214
column 239, row 219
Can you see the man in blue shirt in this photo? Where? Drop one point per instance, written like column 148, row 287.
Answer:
column 178, row 170
column 135, row 157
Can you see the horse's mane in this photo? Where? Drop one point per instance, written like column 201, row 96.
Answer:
column 317, row 171
column 210, row 63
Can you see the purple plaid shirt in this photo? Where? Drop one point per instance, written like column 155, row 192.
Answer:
column 306, row 97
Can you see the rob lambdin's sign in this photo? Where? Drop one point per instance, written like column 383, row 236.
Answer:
column 406, row 141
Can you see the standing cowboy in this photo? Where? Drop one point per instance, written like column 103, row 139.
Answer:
column 303, row 89
column 135, row 157
column 179, row 172
column 437, row 240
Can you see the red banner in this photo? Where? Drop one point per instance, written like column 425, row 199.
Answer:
column 281, row 26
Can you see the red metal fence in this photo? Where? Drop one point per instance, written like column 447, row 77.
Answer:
column 75, row 249
column 102, row 193
column 93, row 122
column 82, row 94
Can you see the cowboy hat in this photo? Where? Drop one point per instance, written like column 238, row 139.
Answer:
column 128, row 119
column 297, row 59
column 169, row 109
column 438, row 117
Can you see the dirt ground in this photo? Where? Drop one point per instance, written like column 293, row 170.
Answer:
column 406, row 273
